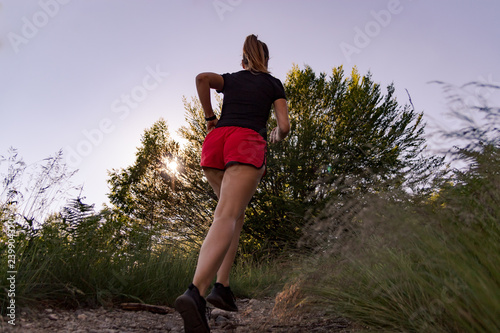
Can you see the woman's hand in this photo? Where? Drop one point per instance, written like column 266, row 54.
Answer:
column 276, row 135
column 211, row 125
column 283, row 128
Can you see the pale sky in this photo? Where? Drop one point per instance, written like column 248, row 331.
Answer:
column 88, row 76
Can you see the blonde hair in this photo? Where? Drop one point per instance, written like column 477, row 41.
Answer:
column 255, row 54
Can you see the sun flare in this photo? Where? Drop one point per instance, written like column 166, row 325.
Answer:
column 172, row 166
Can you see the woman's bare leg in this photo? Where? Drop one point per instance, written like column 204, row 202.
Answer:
column 214, row 178
column 227, row 264
column 238, row 185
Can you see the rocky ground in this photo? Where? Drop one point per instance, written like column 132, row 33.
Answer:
column 253, row 316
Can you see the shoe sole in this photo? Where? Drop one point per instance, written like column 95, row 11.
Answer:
column 218, row 302
column 193, row 322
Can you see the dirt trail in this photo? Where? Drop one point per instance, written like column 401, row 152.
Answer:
column 254, row 316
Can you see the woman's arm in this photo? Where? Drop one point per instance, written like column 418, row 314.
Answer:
column 281, row 131
column 205, row 81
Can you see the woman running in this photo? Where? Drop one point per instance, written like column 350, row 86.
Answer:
column 233, row 159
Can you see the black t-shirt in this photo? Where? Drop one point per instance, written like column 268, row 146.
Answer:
column 248, row 97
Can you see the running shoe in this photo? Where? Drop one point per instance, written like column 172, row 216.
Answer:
column 193, row 309
column 222, row 298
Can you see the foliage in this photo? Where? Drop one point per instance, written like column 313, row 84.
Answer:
column 420, row 267
column 416, row 265
column 30, row 192
column 83, row 258
column 347, row 139
column 77, row 258
column 169, row 203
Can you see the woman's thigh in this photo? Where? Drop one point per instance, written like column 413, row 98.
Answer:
column 238, row 185
column 214, row 177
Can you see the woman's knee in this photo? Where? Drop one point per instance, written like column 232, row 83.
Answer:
column 227, row 213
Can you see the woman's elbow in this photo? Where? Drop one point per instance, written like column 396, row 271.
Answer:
column 201, row 77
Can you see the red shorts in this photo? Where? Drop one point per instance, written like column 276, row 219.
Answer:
column 225, row 146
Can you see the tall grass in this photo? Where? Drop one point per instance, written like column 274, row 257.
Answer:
column 403, row 263
column 89, row 269
column 252, row 278
column 417, row 273
column 62, row 277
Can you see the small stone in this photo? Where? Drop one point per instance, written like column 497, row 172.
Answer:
column 53, row 316
column 218, row 312
column 81, row 316
column 253, row 302
column 221, row 319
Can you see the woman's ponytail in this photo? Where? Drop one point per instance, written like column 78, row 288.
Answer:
column 255, row 54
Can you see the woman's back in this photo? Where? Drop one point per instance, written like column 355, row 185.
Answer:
column 248, row 97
